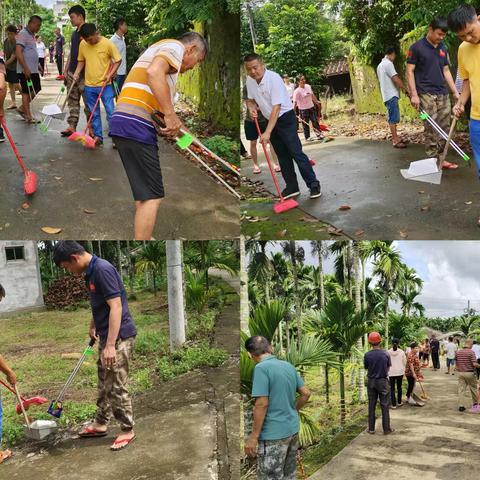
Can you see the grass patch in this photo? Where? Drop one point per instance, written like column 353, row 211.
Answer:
column 190, row 358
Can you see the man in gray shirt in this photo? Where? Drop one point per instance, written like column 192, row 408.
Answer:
column 390, row 86
column 27, row 66
column 118, row 38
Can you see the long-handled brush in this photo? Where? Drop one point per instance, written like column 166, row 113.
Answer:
column 424, row 395
column 443, row 155
column 83, row 137
column 283, row 205
column 56, row 407
column 54, row 111
column 27, row 402
column 30, row 177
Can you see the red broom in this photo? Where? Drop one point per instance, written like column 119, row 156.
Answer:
column 30, row 177
column 84, row 137
column 283, row 205
column 27, row 402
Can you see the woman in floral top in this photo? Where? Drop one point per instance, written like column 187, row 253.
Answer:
column 412, row 370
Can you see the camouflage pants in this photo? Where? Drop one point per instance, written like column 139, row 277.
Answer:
column 73, row 101
column 113, row 397
column 277, row 459
column 438, row 107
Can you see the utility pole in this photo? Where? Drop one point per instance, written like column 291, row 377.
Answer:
column 251, row 24
column 176, row 310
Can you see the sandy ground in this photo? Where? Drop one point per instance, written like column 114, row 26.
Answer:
column 186, row 429
column 365, row 176
column 435, row 442
column 195, row 206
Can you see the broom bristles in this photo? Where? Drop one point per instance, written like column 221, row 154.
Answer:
column 30, row 182
column 285, row 205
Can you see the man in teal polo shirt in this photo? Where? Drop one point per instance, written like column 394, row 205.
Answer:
column 274, row 437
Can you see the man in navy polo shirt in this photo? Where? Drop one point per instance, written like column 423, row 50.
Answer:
column 428, row 76
column 113, row 326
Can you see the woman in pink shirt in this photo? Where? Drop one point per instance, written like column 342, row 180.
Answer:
column 305, row 100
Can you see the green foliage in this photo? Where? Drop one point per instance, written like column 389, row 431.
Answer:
column 201, row 326
column 196, row 295
column 141, row 380
column 266, row 318
column 406, row 329
column 224, row 147
column 149, row 342
column 190, row 358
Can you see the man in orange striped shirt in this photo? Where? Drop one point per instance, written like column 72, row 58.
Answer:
column 465, row 365
column 151, row 86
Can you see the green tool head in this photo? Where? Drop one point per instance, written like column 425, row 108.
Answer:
column 424, row 116
column 185, row 141
column 62, row 89
column 43, row 128
column 466, row 158
column 29, row 83
column 88, row 351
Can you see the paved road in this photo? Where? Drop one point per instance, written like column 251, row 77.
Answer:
column 195, row 206
column 365, row 175
column 435, row 442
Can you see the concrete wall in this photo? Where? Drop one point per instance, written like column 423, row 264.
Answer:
column 20, row 278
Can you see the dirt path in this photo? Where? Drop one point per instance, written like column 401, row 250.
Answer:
column 186, row 429
column 365, row 175
column 193, row 202
column 435, row 442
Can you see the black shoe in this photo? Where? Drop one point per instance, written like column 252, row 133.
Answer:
column 290, row 193
column 461, row 409
column 315, row 191
column 2, row 137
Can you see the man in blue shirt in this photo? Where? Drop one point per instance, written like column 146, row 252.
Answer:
column 428, row 75
column 113, row 326
column 377, row 362
column 276, row 423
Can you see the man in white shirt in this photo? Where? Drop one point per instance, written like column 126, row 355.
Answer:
column 289, row 86
column 450, row 349
column 267, row 92
column 476, row 349
column 390, row 86
column 118, row 38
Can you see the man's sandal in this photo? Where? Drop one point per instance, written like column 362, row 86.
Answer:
column 121, row 444
column 6, row 454
column 90, row 432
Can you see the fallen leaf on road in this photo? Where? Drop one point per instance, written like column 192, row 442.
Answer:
column 96, row 179
column 51, row 230
column 426, row 208
column 25, row 206
column 309, row 220
column 468, row 203
column 421, row 192
column 57, row 178
column 86, row 210
column 359, row 232
column 344, row 207
column 403, row 233
column 334, row 231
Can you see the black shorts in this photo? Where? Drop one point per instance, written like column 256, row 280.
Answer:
column 37, row 86
column 11, row 77
column 142, row 165
column 251, row 129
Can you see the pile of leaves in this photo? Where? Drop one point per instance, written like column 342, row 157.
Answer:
column 66, row 292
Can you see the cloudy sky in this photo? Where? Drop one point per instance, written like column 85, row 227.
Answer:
column 450, row 271
column 46, row 3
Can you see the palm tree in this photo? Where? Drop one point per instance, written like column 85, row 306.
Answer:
column 409, row 303
column 151, row 258
column 358, row 309
column 260, row 268
column 319, row 248
column 390, row 269
column 244, row 305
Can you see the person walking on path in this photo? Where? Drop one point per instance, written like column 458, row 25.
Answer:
column 476, row 349
column 390, row 86
column 377, row 362
column 398, row 361
column 450, row 350
column 412, row 371
column 112, row 324
column 27, row 66
column 118, row 39
column 429, row 75
column 101, row 60
column 466, row 364
column 77, row 19
column 435, row 351
column 41, row 49
column 12, row 380
column 305, row 100
column 425, row 353
column 276, row 423
column 267, row 93
column 9, row 47
column 149, row 86
column 466, row 24
column 3, row 93
column 251, row 135
column 59, row 44
column 51, row 51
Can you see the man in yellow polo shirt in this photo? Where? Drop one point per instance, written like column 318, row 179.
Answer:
column 101, row 60
column 466, row 24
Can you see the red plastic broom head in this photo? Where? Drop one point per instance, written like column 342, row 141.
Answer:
column 30, row 182
column 85, row 139
column 285, row 205
column 28, row 402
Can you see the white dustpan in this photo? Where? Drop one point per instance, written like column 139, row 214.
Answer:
column 425, row 170
column 51, row 110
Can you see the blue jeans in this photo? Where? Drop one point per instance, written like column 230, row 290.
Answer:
column 287, row 146
column 393, row 111
column 91, row 95
column 475, row 141
column 120, row 81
